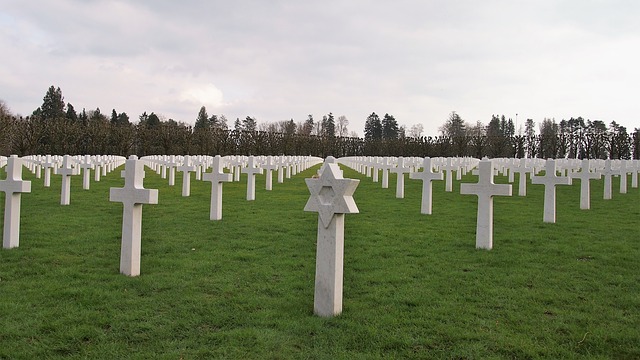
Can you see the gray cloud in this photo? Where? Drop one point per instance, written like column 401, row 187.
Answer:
column 278, row 60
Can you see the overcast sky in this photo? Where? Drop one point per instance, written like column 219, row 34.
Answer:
column 276, row 60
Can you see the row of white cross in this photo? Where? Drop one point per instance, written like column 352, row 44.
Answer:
column 583, row 170
column 167, row 166
column 133, row 195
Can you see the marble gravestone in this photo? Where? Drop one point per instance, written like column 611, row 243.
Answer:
column 550, row 180
column 448, row 168
column 186, row 168
column 385, row 166
column 375, row 169
column 66, row 171
column 485, row 189
column 522, row 169
column 13, row 187
column 426, row 175
column 86, row 165
column 216, row 177
column 251, row 170
column 623, row 176
column 607, row 173
column 133, row 195
column 48, row 164
column 585, row 175
column 269, row 166
column 400, row 170
column 332, row 198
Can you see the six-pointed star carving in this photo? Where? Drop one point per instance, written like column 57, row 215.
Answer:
column 331, row 194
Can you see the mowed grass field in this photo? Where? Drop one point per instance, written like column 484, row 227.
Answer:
column 414, row 285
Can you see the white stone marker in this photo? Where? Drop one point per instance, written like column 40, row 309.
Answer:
column 163, row 166
column 251, row 170
column 217, row 177
column 98, row 164
column 48, row 165
column 133, row 195
column 608, row 172
column 13, row 187
column 198, row 163
column 426, row 175
column 186, row 169
column 281, row 165
column 623, row 176
column 400, row 170
column 172, row 170
column 86, row 167
column 331, row 197
column 550, row 180
column 38, row 166
column 522, row 169
column 269, row 166
column 66, row 171
column 385, row 166
column 448, row 168
column 376, row 169
column 485, row 189
column 585, row 190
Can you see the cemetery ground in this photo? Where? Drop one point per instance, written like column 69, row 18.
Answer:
column 414, row 285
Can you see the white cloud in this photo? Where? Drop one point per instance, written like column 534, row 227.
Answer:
column 204, row 95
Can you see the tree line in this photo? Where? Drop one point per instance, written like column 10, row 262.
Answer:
column 56, row 128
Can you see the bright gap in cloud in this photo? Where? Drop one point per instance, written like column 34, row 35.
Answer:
column 205, row 95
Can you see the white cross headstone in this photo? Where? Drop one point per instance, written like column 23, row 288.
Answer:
column 385, row 166
column 400, row 170
column 66, row 171
column 448, row 168
column 98, row 164
column 608, row 172
column 163, row 166
column 269, row 166
column 585, row 175
column 48, row 164
column 236, row 166
column 38, row 165
column 376, row 168
column 106, row 166
column 331, row 197
column 289, row 167
column 485, row 189
column 635, row 168
column 623, row 176
column 281, row 165
column 186, row 168
column 13, row 187
column 251, row 170
column 426, row 175
column 172, row 170
column 217, row 177
column 133, row 195
column 522, row 169
column 550, row 180
column 198, row 163
column 86, row 167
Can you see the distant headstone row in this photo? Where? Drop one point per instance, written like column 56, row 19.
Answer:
column 444, row 168
column 133, row 195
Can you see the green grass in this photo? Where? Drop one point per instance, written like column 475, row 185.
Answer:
column 414, row 285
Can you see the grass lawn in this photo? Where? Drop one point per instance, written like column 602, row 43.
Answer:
column 414, row 285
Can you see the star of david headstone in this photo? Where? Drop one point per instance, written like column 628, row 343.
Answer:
column 331, row 194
